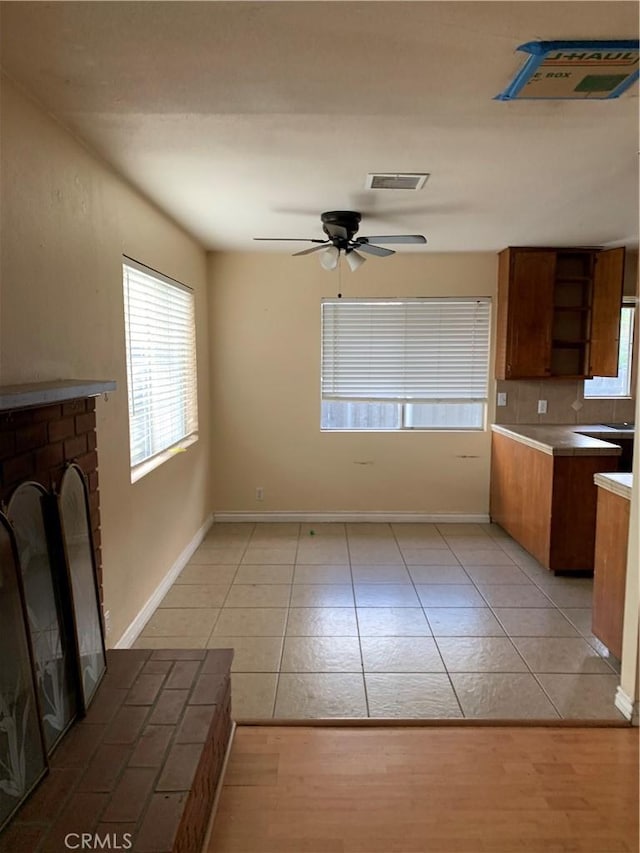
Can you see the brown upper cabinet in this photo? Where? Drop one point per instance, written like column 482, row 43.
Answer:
column 558, row 313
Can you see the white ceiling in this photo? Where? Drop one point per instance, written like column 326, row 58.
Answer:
column 245, row 119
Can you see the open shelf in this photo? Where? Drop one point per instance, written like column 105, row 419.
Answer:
column 570, row 326
column 571, row 308
column 574, row 267
column 572, row 294
column 568, row 361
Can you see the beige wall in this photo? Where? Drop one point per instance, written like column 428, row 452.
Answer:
column 66, row 221
column 265, row 380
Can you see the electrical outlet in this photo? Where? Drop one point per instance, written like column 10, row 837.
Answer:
column 107, row 622
column 259, row 493
column 502, row 398
column 542, row 407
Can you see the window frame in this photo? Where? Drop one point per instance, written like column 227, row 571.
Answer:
column 189, row 375
column 403, row 405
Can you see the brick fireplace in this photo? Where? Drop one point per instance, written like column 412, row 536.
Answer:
column 37, row 442
column 140, row 771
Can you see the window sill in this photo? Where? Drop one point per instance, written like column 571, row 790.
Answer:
column 404, row 429
column 609, row 397
column 149, row 465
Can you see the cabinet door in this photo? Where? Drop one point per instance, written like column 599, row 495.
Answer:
column 610, row 569
column 530, row 313
column 605, row 313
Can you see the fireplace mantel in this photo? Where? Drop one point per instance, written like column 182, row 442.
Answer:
column 14, row 397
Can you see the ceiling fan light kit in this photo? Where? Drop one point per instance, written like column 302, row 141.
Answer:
column 329, row 258
column 354, row 259
column 341, row 226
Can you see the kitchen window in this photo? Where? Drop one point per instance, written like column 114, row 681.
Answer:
column 405, row 364
column 620, row 385
column 161, row 366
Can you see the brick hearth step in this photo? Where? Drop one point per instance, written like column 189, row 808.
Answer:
column 143, row 766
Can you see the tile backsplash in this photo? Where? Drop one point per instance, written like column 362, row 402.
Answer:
column 565, row 404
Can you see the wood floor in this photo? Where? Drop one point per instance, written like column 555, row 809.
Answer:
column 429, row 790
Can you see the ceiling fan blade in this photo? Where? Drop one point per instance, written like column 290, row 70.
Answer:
column 374, row 250
column 325, row 243
column 397, row 238
column 291, row 239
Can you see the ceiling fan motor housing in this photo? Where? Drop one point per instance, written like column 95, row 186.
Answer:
column 340, row 226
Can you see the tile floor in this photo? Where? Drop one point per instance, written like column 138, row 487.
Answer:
column 388, row 620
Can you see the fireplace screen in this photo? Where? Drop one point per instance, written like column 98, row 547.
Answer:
column 76, row 535
column 22, row 754
column 46, row 599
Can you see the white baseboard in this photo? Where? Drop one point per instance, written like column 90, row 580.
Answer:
column 627, row 707
column 346, row 516
column 135, row 628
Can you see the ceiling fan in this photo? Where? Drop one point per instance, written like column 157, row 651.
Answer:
column 341, row 226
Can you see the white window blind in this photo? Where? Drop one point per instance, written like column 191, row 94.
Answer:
column 406, row 350
column 161, row 361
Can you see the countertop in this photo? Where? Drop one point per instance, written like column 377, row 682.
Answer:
column 569, row 440
column 619, row 484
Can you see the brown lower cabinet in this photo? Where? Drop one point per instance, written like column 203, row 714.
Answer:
column 610, row 574
column 547, row 502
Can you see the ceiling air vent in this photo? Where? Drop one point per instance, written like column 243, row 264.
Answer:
column 396, row 180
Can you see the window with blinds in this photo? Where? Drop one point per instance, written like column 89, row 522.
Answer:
column 161, row 362
column 420, row 363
